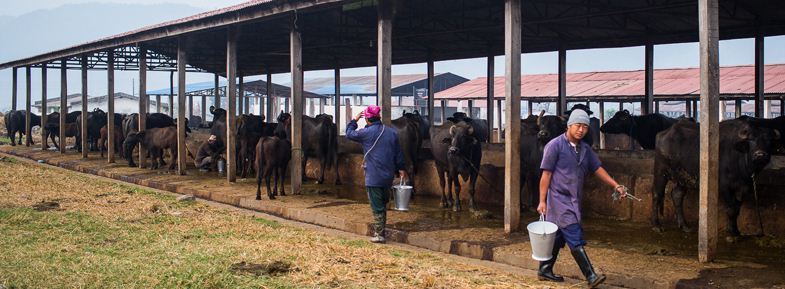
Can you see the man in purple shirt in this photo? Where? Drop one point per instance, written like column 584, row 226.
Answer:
column 566, row 162
column 382, row 158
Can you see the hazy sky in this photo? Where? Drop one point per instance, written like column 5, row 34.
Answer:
column 733, row 52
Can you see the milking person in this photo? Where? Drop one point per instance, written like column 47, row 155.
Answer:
column 566, row 162
column 381, row 159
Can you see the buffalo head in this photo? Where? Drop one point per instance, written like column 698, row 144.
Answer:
column 757, row 143
column 621, row 122
column 129, row 143
column 461, row 137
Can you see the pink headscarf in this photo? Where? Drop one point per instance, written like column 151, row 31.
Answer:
column 372, row 111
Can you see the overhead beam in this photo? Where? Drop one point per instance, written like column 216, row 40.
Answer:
column 647, row 107
column 512, row 82
column 759, row 75
column 44, row 118
column 231, row 107
column 384, row 59
column 143, row 101
column 110, row 125
column 83, row 131
column 28, row 99
column 561, row 102
column 182, row 59
column 709, row 129
column 63, row 103
column 296, row 64
column 489, row 97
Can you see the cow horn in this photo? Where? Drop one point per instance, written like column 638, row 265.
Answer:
column 452, row 130
column 542, row 112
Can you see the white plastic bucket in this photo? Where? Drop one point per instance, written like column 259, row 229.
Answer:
column 542, row 234
column 402, row 194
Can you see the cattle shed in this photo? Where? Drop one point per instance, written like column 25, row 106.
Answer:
column 290, row 36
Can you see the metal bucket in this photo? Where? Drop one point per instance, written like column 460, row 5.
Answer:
column 402, row 194
column 542, row 234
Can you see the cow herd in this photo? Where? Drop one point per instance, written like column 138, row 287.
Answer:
column 746, row 146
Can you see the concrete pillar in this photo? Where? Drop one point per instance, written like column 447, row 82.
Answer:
column 708, row 23
column 28, row 99
column 110, row 106
column 296, row 64
column 44, row 142
column 85, row 145
column 182, row 60
column 63, row 102
column 231, row 107
column 143, row 101
column 512, row 80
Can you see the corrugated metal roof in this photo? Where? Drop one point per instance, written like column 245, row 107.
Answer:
column 734, row 81
column 359, row 84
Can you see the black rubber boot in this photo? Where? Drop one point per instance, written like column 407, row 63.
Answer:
column 546, row 268
column 579, row 253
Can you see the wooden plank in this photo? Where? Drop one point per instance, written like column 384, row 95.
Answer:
column 28, row 99
column 431, row 93
column 14, row 79
column 709, row 128
column 182, row 59
column 384, row 59
column 648, row 95
column 44, row 142
column 337, row 100
column 110, row 106
column 63, row 102
column 296, row 63
column 271, row 105
column 231, row 106
column 216, row 93
column 512, row 117
column 489, row 96
column 143, row 101
column 561, row 101
column 85, row 145
column 759, row 75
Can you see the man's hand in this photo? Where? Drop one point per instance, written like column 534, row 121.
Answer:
column 542, row 208
column 622, row 191
column 402, row 173
column 358, row 116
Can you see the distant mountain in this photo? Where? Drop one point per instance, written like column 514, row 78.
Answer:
column 46, row 30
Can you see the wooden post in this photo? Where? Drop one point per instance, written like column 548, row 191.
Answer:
column 602, row 121
column 431, row 94
column 171, row 94
column 444, row 110
column 63, row 102
column 648, row 96
column 471, row 108
column 203, row 107
column 44, row 119
column 296, row 65
column 182, row 59
column 13, row 88
column 270, row 107
column 723, row 108
column 190, row 113
column 231, row 107
column 688, row 108
column 143, row 101
column 337, row 100
column 561, row 102
column 530, row 107
column 499, row 119
column 384, row 59
column 737, row 108
column 158, row 103
column 709, row 128
column 85, row 145
column 348, row 102
column 216, row 93
column 28, row 98
column 512, row 82
column 110, row 105
column 695, row 108
column 489, row 96
column 656, row 107
column 240, row 97
column 759, row 75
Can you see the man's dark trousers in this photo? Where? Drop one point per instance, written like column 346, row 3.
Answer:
column 379, row 197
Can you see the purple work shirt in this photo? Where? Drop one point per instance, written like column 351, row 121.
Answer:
column 569, row 171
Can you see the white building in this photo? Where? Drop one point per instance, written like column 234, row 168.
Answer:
column 123, row 103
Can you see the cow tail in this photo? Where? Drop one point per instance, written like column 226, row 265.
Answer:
column 332, row 145
column 260, row 165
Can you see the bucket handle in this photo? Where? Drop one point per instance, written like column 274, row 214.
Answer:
column 542, row 219
column 400, row 185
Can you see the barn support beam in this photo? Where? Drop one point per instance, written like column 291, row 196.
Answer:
column 489, row 96
column 695, row 108
column 85, row 145
column 190, row 113
column 158, row 103
column 63, row 101
column 44, row 119
column 656, row 107
column 28, row 99
column 647, row 107
column 240, row 97
column 499, row 120
column 14, row 79
column 143, row 102
column 337, row 100
column 470, row 108
column 348, row 113
column 512, row 81
column 561, row 103
column 296, row 64
column 431, row 94
column 444, row 110
column 203, row 108
column 231, row 107
column 384, row 59
column 759, row 75
column 709, row 128
column 182, row 59
column 602, row 121
column 688, row 108
column 171, row 94
column 110, row 106
column 270, row 107
column 737, row 108
column 216, row 92
column 529, row 107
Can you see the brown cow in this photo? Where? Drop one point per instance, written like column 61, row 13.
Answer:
column 155, row 141
column 118, row 139
column 272, row 157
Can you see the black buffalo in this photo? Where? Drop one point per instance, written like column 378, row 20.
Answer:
column 319, row 139
column 15, row 122
column 410, row 140
column 643, row 128
column 777, row 123
column 130, row 123
column 536, row 132
column 457, row 151
column 52, row 127
column 744, row 150
column 272, row 158
column 95, row 120
column 155, row 141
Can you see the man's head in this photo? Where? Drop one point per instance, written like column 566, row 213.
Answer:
column 578, row 124
column 372, row 113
